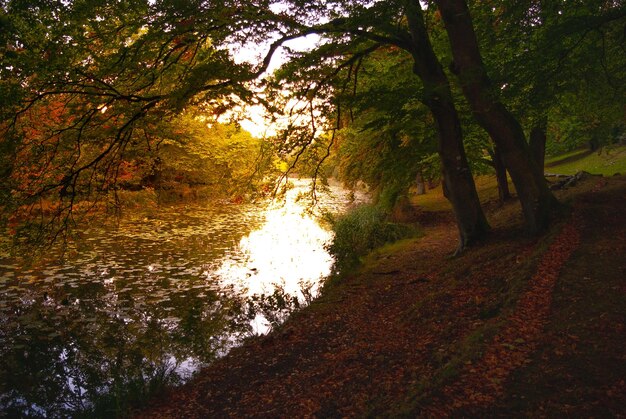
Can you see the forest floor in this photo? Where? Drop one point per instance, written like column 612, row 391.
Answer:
column 513, row 327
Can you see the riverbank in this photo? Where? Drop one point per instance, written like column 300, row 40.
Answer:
column 513, row 327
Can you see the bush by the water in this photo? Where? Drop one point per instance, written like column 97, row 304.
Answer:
column 360, row 231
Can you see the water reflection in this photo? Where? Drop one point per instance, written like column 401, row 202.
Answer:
column 285, row 252
column 141, row 305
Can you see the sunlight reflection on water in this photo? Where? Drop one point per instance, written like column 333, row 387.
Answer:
column 287, row 251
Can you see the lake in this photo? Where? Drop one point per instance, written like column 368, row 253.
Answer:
column 147, row 300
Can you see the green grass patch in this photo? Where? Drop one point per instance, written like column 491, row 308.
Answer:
column 395, row 247
column 433, row 200
column 607, row 161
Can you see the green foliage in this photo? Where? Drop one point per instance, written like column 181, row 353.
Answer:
column 389, row 137
column 578, row 83
column 360, row 231
column 195, row 152
column 88, row 88
column 593, row 120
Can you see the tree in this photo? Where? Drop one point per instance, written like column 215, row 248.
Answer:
column 109, row 69
column 537, row 201
column 545, row 56
column 112, row 68
column 388, row 139
column 458, row 182
column 222, row 158
column 401, row 24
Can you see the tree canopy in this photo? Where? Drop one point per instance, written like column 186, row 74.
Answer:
column 89, row 88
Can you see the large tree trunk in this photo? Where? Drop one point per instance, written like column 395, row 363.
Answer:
column 457, row 177
column 536, row 199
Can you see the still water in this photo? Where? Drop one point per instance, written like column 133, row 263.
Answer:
column 146, row 302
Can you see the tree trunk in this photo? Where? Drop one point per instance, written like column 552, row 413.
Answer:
column 419, row 183
column 537, row 143
column 458, row 182
column 536, row 199
column 503, row 182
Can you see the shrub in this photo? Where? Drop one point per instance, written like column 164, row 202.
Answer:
column 360, row 231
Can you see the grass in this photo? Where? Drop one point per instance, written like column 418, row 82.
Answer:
column 361, row 230
column 432, row 200
column 607, row 161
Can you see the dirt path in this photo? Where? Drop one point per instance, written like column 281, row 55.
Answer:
column 414, row 333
